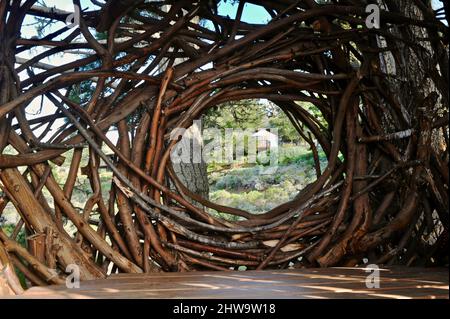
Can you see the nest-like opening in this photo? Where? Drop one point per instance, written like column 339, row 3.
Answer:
column 380, row 194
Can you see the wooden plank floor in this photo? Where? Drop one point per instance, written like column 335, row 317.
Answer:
column 298, row 283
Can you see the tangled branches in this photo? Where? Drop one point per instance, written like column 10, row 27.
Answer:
column 161, row 65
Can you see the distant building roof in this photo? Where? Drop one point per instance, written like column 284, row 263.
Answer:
column 265, row 134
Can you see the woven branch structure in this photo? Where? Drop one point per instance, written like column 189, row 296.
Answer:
column 382, row 92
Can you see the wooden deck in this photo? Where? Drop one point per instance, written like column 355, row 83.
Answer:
column 299, row 283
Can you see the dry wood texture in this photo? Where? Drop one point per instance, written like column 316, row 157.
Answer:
column 318, row 283
column 382, row 196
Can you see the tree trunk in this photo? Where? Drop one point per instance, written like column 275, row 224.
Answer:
column 193, row 173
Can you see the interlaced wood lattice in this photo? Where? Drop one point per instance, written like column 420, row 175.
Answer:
column 382, row 92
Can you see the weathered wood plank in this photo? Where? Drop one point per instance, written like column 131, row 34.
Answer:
column 298, row 283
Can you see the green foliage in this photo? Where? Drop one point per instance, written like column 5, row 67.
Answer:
column 255, row 114
column 286, row 131
column 21, row 240
column 248, row 188
column 21, row 237
column 81, row 93
column 305, row 157
column 243, row 114
column 314, row 111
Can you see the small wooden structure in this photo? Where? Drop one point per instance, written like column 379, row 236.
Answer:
column 265, row 140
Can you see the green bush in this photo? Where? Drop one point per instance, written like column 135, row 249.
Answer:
column 21, row 239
